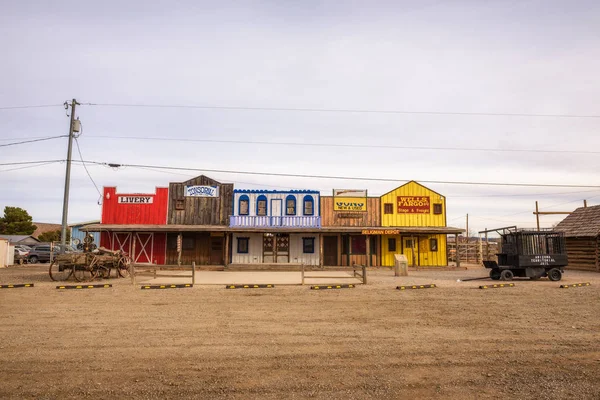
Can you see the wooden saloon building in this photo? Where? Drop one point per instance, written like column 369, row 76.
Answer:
column 209, row 223
column 582, row 236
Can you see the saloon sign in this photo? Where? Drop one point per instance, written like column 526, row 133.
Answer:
column 414, row 205
column 202, row 191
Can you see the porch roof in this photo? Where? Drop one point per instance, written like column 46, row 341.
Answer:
column 371, row 230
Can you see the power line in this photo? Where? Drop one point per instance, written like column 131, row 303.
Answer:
column 86, row 170
column 32, row 141
column 28, row 166
column 359, row 146
column 364, row 179
column 338, row 110
column 36, row 106
column 31, row 162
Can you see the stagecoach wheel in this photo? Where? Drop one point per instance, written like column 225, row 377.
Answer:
column 123, row 266
column 506, row 275
column 85, row 273
column 495, row 274
column 102, row 272
column 554, row 274
column 58, row 272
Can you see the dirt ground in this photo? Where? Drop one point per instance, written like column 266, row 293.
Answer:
column 531, row 341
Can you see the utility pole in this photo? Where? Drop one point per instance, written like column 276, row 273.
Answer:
column 63, row 232
column 467, row 228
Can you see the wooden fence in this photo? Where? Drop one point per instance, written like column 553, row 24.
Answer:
column 156, row 271
column 358, row 272
column 473, row 252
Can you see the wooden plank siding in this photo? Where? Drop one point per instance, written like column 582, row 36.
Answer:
column 371, row 217
column 200, row 210
column 583, row 253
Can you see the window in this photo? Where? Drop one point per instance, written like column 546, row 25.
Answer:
column 409, row 243
column 388, row 208
column 308, row 245
column 261, row 205
column 437, row 208
column 244, row 206
column 172, row 242
column 358, row 244
column 309, row 203
column 433, row 244
column 290, row 205
column 242, row 245
column 391, row 244
column 179, row 204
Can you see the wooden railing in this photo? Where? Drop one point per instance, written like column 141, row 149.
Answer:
column 284, row 221
column 156, row 271
column 358, row 272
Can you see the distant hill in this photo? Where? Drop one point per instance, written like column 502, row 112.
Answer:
column 43, row 227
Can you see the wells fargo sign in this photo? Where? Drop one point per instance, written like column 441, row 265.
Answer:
column 414, row 205
column 349, row 204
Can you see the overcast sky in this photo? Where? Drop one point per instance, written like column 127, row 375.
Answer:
column 507, row 57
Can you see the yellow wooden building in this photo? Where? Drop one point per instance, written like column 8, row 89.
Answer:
column 413, row 221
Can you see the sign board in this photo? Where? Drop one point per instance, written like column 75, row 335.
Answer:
column 349, row 200
column 380, row 232
column 135, row 199
column 202, row 191
column 349, row 204
column 414, row 205
column 349, row 193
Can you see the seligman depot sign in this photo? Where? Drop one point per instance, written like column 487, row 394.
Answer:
column 202, row 191
column 414, row 205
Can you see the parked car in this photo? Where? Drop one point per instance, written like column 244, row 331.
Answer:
column 21, row 255
column 41, row 252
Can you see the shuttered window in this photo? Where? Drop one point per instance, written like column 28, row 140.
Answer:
column 388, row 208
column 437, row 208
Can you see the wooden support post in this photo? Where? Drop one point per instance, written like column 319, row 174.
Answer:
column 537, row 215
column 487, row 246
column 412, row 242
column 457, row 255
column 179, row 247
column 584, row 203
column 132, row 273
column 321, row 262
column 193, row 272
column 368, row 244
column 302, row 273
column 226, row 256
column 364, row 271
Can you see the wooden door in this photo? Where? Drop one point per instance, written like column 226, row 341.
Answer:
column 282, row 243
column 407, row 250
column 216, row 250
column 330, row 250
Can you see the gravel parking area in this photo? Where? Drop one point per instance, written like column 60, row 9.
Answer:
column 456, row 341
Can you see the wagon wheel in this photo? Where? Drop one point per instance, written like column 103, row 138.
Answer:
column 123, row 266
column 59, row 272
column 85, row 273
column 102, row 271
column 495, row 274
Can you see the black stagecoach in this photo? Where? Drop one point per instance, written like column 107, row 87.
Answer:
column 528, row 253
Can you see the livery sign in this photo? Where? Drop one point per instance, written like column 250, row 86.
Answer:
column 414, row 205
column 202, row 191
column 135, row 199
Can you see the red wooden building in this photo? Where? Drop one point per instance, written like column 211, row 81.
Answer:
column 127, row 221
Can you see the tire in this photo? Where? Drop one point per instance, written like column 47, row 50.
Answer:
column 495, row 274
column 59, row 273
column 507, row 275
column 554, row 274
column 33, row 260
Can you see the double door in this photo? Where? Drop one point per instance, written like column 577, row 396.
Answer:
column 276, row 248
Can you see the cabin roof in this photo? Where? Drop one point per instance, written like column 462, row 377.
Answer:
column 583, row 222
